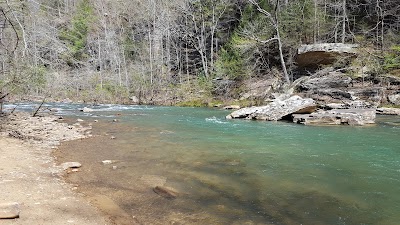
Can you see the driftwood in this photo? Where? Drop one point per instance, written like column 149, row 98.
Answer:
column 38, row 108
column 2, row 97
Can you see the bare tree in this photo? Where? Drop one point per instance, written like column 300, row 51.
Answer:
column 274, row 21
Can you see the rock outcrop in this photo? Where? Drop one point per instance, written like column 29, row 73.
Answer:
column 314, row 55
column 333, row 79
column 337, row 117
column 329, row 85
column 276, row 110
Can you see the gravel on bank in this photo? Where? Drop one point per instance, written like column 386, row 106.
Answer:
column 30, row 178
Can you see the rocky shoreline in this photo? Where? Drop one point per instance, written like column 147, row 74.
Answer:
column 306, row 111
column 33, row 191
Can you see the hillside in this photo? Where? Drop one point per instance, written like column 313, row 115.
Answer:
column 186, row 52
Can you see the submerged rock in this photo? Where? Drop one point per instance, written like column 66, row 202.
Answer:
column 277, row 109
column 166, row 192
column 337, row 117
column 9, row 210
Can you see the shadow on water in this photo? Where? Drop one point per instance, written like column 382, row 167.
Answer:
column 213, row 188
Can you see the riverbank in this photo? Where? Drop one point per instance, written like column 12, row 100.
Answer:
column 30, row 177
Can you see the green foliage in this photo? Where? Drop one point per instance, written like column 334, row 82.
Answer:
column 392, row 59
column 76, row 35
column 230, row 62
column 297, row 22
column 112, row 89
column 37, row 76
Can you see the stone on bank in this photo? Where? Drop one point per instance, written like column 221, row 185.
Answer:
column 9, row 210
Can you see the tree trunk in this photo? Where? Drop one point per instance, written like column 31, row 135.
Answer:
column 282, row 59
column 344, row 21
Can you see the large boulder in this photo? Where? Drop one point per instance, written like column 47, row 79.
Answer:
column 337, row 117
column 394, row 99
column 277, row 109
column 134, row 100
column 314, row 55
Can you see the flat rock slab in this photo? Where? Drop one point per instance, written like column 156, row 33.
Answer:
column 324, row 53
column 388, row 111
column 337, row 117
column 9, row 210
column 277, row 109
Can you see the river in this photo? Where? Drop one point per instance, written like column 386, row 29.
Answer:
column 235, row 171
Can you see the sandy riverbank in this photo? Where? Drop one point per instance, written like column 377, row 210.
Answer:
column 30, row 177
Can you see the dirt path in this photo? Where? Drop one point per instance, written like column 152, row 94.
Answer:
column 29, row 176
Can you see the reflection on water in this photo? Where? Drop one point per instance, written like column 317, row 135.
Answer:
column 237, row 172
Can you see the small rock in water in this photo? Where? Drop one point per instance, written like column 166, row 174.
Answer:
column 9, row 210
column 106, row 162
column 86, row 109
column 115, row 120
column 166, row 192
column 114, row 167
column 95, row 121
column 79, row 120
column 68, row 165
column 113, row 137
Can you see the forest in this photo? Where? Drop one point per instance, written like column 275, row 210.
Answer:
column 179, row 51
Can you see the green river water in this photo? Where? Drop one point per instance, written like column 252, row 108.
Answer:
column 241, row 172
